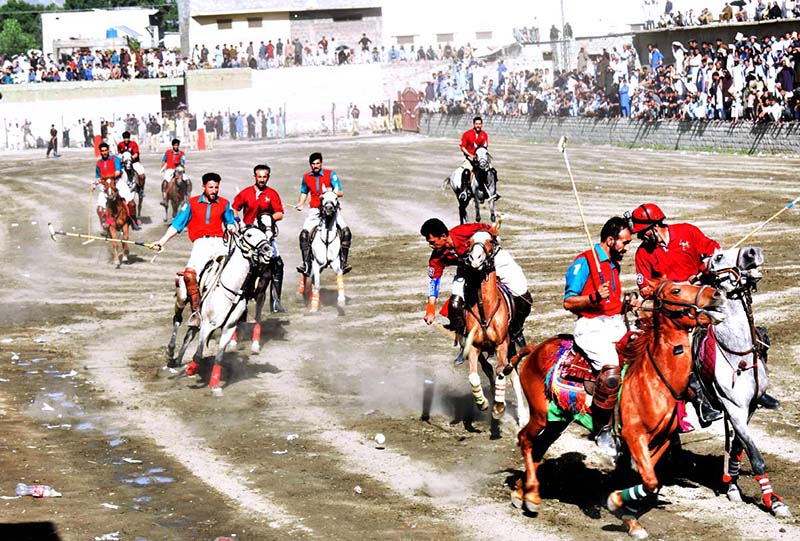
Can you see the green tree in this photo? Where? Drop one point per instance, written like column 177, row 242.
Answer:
column 27, row 15
column 13, row 40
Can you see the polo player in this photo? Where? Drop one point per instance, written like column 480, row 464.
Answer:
column 109, row 167
column 173, row 157
column 470, row 141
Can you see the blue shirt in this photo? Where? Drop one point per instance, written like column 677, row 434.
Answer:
column 181, row 220
column 336, row 184
column 578, row 274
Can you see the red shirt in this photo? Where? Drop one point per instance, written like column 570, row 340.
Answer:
column 131, row 147
column 449, row 256
column 613, row 305
column 314, row 185
column 172, row 158
column 252, row 203
column 680, row 260
column 472, row 140
column 207, row 217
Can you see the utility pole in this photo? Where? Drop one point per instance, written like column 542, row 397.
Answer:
column 183, row 26
column 564, row 62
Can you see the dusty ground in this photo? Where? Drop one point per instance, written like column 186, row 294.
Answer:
column 82, row 349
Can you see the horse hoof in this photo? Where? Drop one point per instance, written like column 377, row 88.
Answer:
column 483, row 406
column 734, row 494
column 498, row 410
column 232, row 344
column 216, row 392
column 781, row 510
column 255, row 347
column 614, row 501
column 342, row 301
column 530, row 506
column 516, row 498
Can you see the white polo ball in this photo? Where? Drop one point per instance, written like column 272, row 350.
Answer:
column 380, row 439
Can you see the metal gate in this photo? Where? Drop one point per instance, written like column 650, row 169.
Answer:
column 409, row 103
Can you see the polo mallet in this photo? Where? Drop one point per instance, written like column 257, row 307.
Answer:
column 768, row 220
column 562, row 146
column 54, row 232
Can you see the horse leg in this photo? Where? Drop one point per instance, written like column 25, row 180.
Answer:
column 621, row 500
column 112, row 234
column 475, row 380
column 315, row 273
column 774, row 503
column 462, row 211
column 261, row 298
column 499, row 406
column 731, row 476
column 125, row 248
column 477, row 206
column 534, row 441
column 341, row 299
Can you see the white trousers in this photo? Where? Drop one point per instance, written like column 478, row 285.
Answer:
column 509, row 273
column 312, row 219
column 123, row 189
column 203, row 249
column 598, row 336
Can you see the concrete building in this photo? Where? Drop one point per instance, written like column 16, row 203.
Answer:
column 217, row 22
column 95, row 28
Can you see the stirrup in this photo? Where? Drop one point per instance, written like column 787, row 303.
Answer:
column 707, row 414
column 346, row 268
column 277, row 307
column 606, row 443
column 767, row 401
column 163, row 203
column 194, row 320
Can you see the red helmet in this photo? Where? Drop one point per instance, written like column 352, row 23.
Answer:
column 646, row 216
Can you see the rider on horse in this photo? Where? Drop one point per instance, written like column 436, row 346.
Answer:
column 470, row 141
column 254, row 201
column 449, row 247
column 676, row 252
column 207, row 217
column 108, row 168
column 312, row 185
column 126, row 145
column 596, row 298
column 172, row 158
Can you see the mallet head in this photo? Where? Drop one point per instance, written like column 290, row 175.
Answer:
column 52, row 231
column 562, row 143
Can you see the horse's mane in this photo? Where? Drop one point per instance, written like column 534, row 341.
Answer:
column 636, row 347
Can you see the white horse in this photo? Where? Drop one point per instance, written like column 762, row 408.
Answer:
column 481, row 188
column 740, row 372
column 223, row 298
column 135, row 178
column 326, row 243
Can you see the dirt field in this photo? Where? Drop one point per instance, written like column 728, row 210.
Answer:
column 86, row 407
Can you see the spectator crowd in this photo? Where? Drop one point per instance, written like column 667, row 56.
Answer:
column 125, row 63
column 750, row 78
column 745, row 11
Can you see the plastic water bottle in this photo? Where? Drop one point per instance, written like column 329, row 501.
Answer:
column 37, row 491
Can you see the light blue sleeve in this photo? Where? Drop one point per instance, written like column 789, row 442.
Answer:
column 576, row 277
column 433, row 287
column 117, row 163
column 336, row 184
column 303, row 187
column 97, row 171
column 181, row 220
column 227, row 217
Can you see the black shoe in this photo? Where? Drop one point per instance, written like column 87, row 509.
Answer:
column 304, row 269
column 707, row 414
column 277, row 307
column 163, row 203
column 767, row 401
column 135, row 226
column 346, row 268
column 459, row 360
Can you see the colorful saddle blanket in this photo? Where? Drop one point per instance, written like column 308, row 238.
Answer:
column 565, row 384
column 704, row 349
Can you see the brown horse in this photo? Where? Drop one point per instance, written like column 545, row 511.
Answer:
column 117, row 210
column 659, row 361
column 179, row 189
column 487, row 319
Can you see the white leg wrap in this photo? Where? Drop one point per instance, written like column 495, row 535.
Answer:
column 474, row 379
column 500, row 389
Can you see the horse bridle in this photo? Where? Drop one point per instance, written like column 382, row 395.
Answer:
column 660, row 305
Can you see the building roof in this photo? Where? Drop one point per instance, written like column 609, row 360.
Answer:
column 223, row 7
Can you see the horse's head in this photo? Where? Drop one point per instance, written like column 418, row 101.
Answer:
column 255, row 245
column 736, row 268
column 177, row 174
column 329, row 203
column 481, row 248
column 126, row 159
column 688, row 305
column 110, row 189
column 482, row 158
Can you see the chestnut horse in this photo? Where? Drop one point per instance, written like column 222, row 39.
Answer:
column 659, row 361
column 117, row 210
column 488, row 315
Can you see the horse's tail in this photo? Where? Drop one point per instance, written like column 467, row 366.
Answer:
column 447, row 185
column 517, row 358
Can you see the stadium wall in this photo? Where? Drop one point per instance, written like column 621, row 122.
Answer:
column 675, row 135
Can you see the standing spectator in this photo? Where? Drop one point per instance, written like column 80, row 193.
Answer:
column 354, row 114
column 656, row 57
column 52, row 144
column 364, row 42
column 397, row 116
